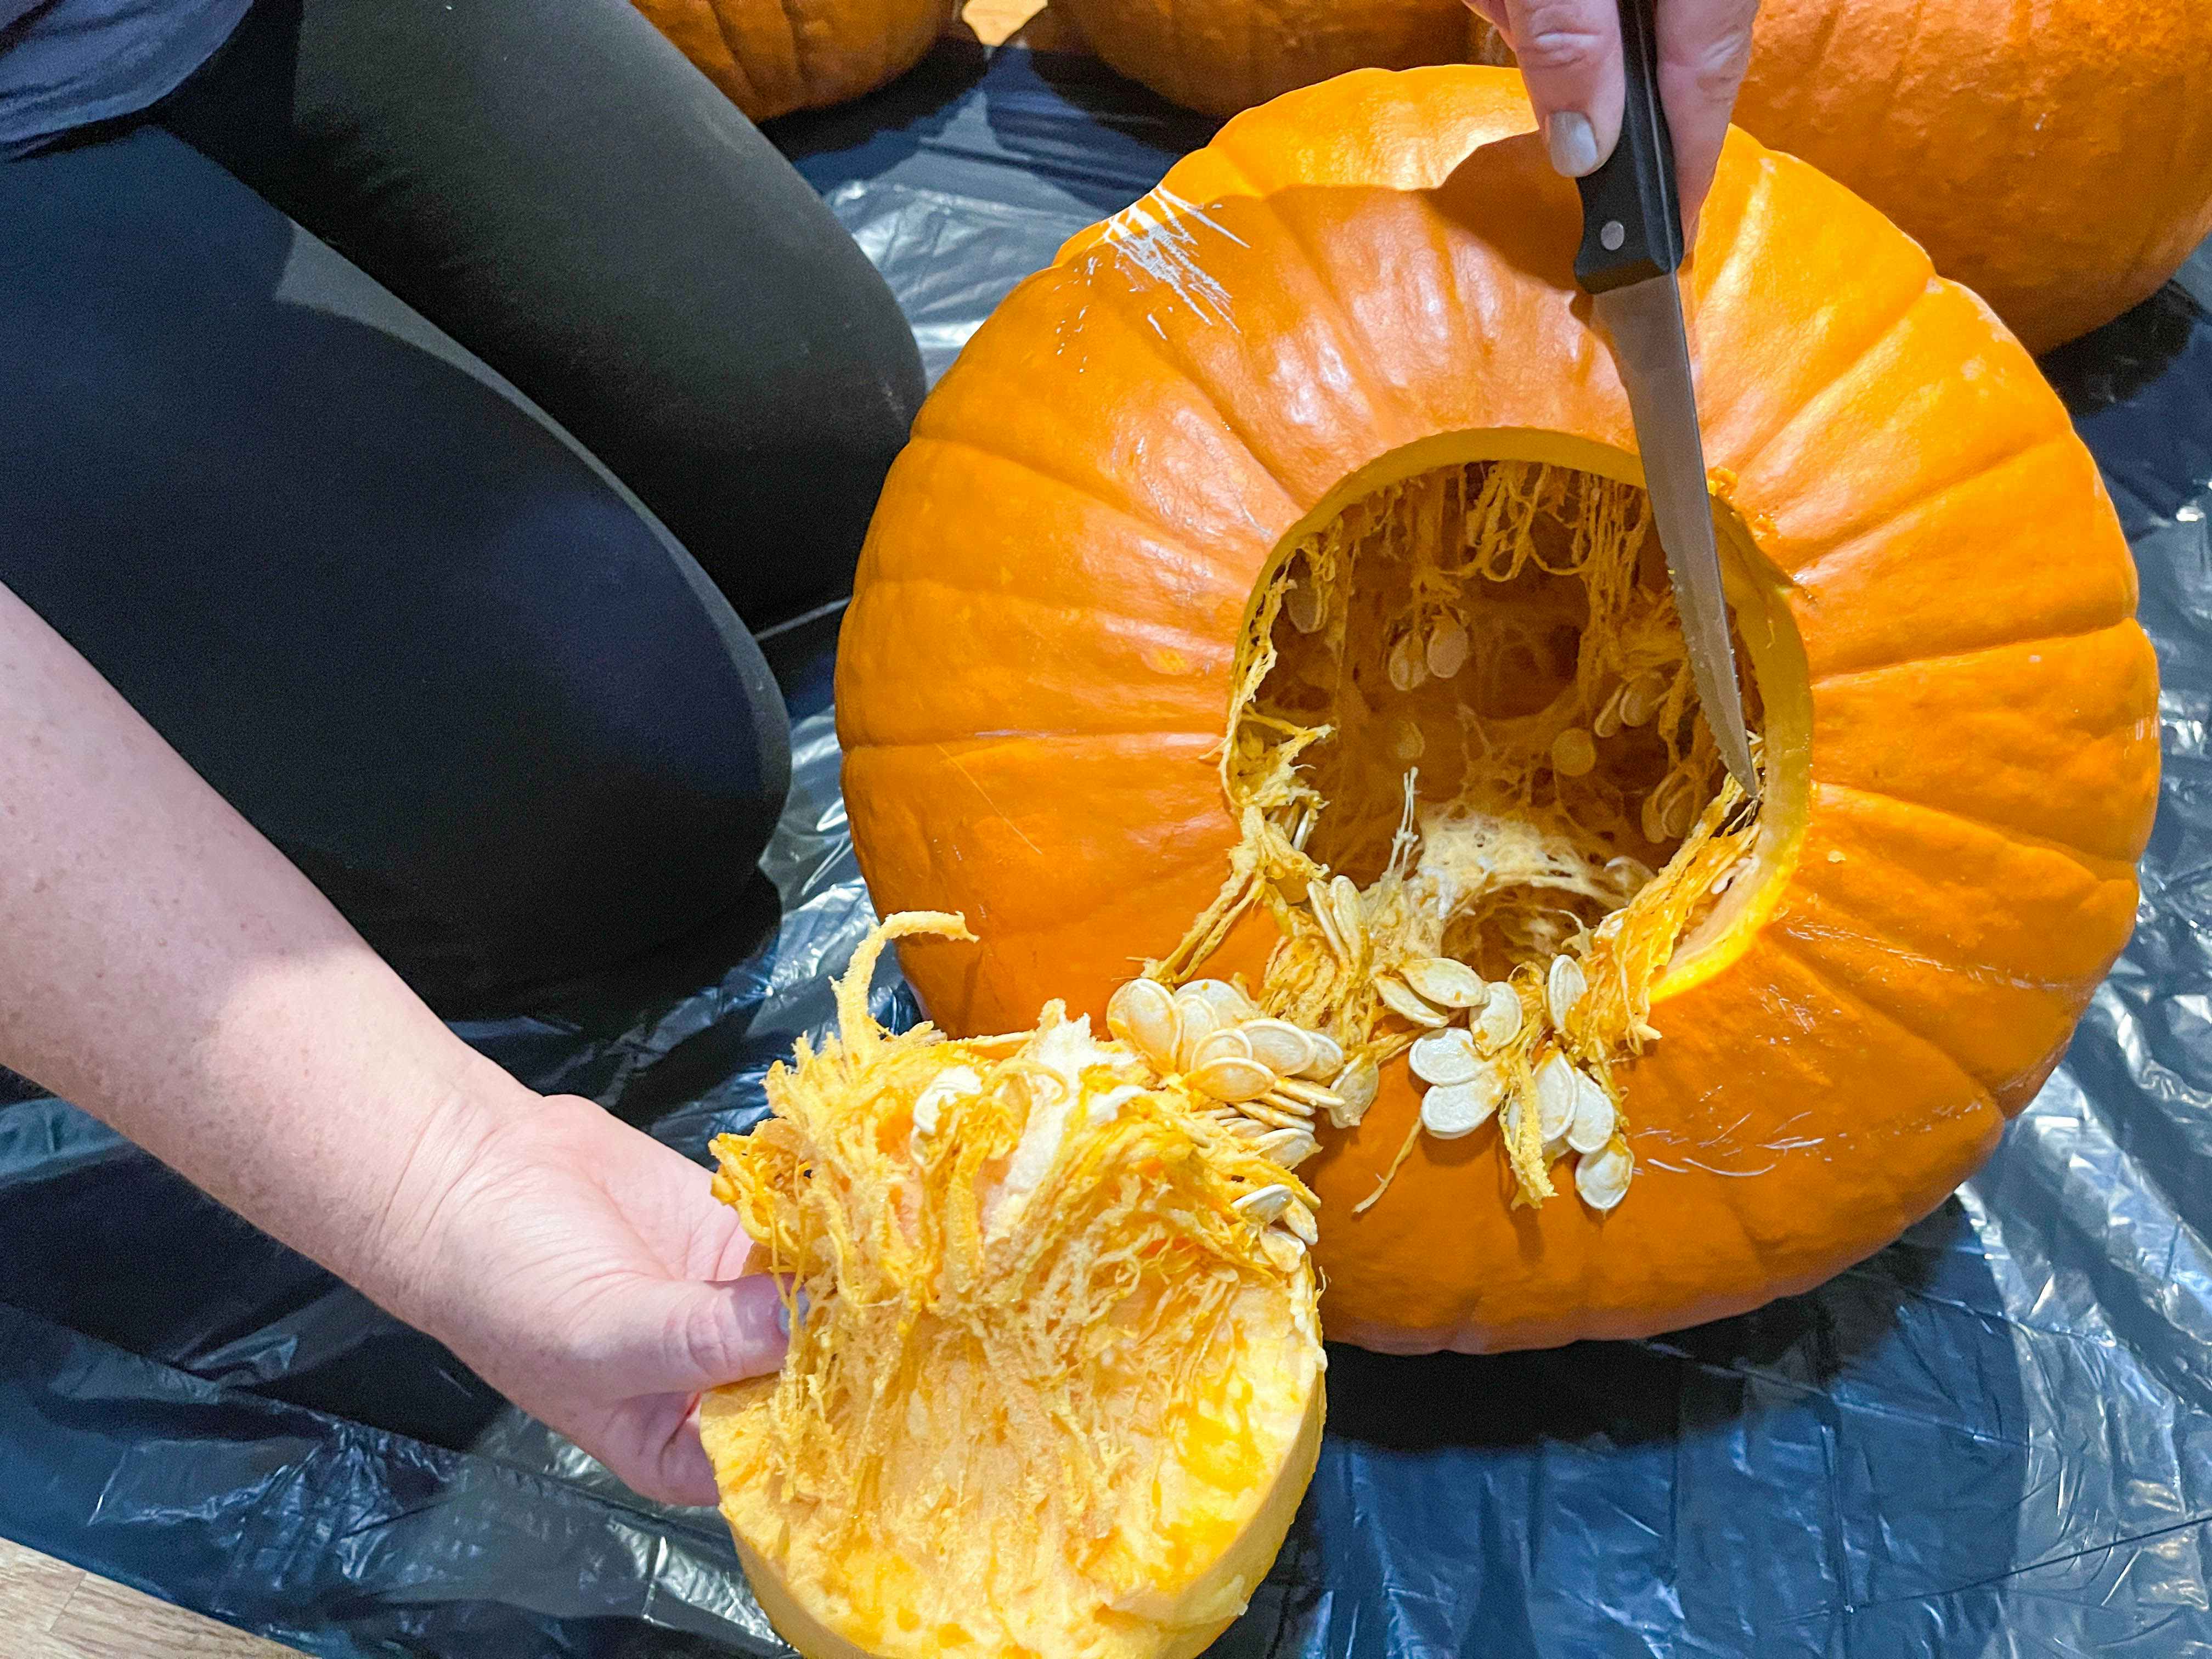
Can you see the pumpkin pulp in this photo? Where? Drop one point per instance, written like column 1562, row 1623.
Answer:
column 1473, row 784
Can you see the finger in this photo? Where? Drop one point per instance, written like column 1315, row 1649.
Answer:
column 652, row 1447
column 705, row 1334
column 1704, row 46
column 1569, row 57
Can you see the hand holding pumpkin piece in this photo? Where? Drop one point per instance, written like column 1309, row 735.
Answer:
column 1055, row 1385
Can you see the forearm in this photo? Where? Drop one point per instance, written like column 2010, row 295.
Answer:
column 168, row 970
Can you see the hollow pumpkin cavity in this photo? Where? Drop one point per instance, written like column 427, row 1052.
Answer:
column 1477, row 796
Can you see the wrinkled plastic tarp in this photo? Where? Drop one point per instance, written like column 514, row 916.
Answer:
column 1995, row 1438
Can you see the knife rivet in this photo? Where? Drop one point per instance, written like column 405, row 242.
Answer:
column 1611, row 234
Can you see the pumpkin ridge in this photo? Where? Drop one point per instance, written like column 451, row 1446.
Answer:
column 2067, row 636
column 1785, row 946
column 1239, row 579
column 2096, row 864
column 1153, row 633
column 741, row 72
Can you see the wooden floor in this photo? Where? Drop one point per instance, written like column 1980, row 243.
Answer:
column 51, row 1610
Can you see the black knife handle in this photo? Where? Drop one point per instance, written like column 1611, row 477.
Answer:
column 1632, row 219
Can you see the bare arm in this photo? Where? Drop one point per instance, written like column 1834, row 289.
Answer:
column 168, row 970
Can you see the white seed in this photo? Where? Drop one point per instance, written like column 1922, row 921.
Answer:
column 1499, row 1022
column 1563, row 985
column 1409, row 667
column 1632, row 875
column 1680, row 813
column 1555, row 1149
column 1264, row 1204
column 1228, row 1004
column 1327, row 1057
column 1277, row 1113
column 1573, row 753
column 1402, row 1001
column 1350, row 914
column 1196, row 1021
column 1249, row 1129
column 1324, row 915
column 1278, row 1045
column 1142, row 1013
column 1653, row 820
column 1607, row 722
column 1601, row 1177
column 954, row 1083
column 1307, row 607
column 1301, row 1096
column 1284, row 1248
column 1288, row 1147
column 1556, row 1095
column 1299, row 1220
column 1640, row 701
column 1447, row 648
column 1446, row 1056
column 1227, row 1044
column 1594, row 1119
column 1440, row 980
column 1454, row 1110
column 1355, row 1086
column 1232, row 1080
column 1407, row 742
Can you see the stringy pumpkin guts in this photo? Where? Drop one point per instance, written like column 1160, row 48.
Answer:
column 1054, row 1383
column 1479, row 802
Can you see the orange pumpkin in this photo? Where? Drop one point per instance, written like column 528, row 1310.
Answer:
column 1108, row 582
column 1223, row 57
column 773, row 57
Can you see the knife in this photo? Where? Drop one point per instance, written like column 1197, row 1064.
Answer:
column 1631, row 247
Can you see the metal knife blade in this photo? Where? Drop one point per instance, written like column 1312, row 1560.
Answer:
column 1652, row 348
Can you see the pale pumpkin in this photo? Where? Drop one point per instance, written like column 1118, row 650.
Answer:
column 772, row 56
column 1321, row 434
column 1054, row 1382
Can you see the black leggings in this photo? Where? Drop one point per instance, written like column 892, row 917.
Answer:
column 415, row 631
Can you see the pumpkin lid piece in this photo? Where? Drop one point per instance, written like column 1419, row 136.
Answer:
column 1268, row 590
column 1056, row 1384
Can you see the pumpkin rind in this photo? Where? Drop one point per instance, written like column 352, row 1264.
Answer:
column 772, row 56
column 1036, row 669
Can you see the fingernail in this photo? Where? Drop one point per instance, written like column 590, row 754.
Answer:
column 1572, row 143
column 783, row 1310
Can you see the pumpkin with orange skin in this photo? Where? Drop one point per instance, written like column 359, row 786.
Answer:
column 1370, row 278
column 772, row 56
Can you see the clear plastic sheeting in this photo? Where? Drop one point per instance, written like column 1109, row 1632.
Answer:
column 1993, row 1438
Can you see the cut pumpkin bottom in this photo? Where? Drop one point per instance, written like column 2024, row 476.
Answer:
column 1055, row 1386
column 1479, row 803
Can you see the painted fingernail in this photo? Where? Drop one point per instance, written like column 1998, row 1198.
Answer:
column 783, row 1310
column 1572, row 143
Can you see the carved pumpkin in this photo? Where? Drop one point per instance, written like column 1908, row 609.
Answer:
column 1266, row 591
column 1056, row 1388
column 773, row 57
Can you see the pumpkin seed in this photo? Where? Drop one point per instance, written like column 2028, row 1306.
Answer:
column 1440, row 980
column 1327, row 1057
column 1228, row 1004
column 1288, row 1147
column 1409, row 666
column 1229, row 1043
column 1595, row 1116
column 1306, row 604
column 1448, row 647
column 1555, row 1096
column 1401, row 1000
column 1607, row 723
column 1573, row 753
column 1196, row 1021
column 1446, row 1057
column 1653, row 821
column 1454, row 1110
column 1355, row 1086
column 1276, row 1113
column 1350, row 914
column 1309, row 1095
column 1231, row 1080
column 1601, row 1177
column 1563, row 985
column 1264, row 1204
column 1407, row 742
column 1299, row 1220
column 1279, row 1045
column 1324, row 915
column 1499, row 1023
column 1142, row 1013
column 1641, row 699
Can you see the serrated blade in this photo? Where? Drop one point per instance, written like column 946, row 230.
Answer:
column 1653, row 350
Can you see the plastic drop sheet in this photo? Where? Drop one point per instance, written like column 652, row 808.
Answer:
column 1993, row 1438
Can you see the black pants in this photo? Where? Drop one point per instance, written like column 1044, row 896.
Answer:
column 417, row 632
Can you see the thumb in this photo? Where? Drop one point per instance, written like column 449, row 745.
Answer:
column 1569, row 56
column 706, row 1334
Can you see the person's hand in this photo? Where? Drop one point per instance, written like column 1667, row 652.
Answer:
column 1569, row 56
column 586, row 1271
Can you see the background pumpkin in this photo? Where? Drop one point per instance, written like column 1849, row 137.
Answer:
column 773, row 57
column 1355, row 282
